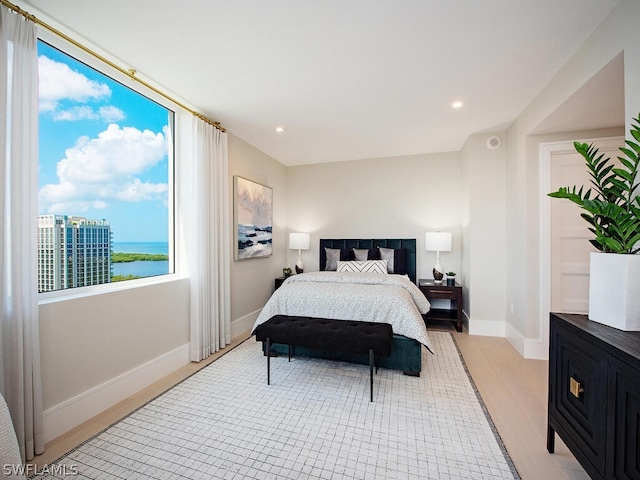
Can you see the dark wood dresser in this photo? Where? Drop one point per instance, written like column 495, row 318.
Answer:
column 594, row 395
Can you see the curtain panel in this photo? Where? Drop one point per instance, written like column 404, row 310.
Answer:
column 20, row 381
column 205, row 226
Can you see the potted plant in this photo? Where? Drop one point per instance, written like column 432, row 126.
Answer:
column 286, row 272
column 612, row 210
column 451, row 278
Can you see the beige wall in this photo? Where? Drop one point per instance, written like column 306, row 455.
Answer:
column 97, row 349
column 399, row 197
column 526, row 327
column 484, row 220
column 252, row 279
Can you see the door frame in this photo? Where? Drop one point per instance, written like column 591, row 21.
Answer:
column 547, row 150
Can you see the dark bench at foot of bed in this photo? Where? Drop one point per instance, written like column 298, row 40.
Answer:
column 348, row 336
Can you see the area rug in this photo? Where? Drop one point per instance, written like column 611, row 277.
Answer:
column 314, row 421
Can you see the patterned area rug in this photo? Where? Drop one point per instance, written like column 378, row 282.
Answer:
column 314, row 421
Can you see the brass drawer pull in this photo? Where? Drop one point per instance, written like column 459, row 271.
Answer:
column 575, row 387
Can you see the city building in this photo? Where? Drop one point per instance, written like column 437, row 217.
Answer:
column 72, row 252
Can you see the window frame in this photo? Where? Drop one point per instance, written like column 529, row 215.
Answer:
column 107, row 70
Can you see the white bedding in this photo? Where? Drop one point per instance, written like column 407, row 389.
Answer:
column 368, row 297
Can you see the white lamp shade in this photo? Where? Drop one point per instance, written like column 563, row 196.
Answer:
column 299, row 241
column 437, row 241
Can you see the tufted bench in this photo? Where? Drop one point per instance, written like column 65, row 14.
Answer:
column 350, row 336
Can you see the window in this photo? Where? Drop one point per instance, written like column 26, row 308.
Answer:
column 105, row 178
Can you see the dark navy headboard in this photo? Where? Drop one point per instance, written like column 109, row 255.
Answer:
column 346, row 244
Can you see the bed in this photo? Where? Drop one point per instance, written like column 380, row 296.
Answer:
column 346, row 295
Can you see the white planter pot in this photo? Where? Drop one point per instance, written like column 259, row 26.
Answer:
column 614, row 290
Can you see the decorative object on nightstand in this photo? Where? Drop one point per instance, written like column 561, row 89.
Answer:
column 299, row 241
column 451, row 278
column 432, row 291
column 286, row 272
column 437, row 242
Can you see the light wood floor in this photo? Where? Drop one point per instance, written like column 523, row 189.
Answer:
column 513, row 389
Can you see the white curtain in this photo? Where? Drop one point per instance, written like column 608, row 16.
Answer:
column 204, row 208
column 19, row 328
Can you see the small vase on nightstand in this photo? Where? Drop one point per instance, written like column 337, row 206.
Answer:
column 451, row 279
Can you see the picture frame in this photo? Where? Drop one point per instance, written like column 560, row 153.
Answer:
column 253, row 219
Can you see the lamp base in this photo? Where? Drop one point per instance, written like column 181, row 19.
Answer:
column 437, row 275
column 299, row 266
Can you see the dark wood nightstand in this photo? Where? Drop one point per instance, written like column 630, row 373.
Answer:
column 434, row 290
column 277, row 282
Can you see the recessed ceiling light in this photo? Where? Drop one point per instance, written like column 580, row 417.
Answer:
column 280, row 129
column 456, row 105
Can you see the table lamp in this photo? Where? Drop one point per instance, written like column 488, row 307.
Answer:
column 299, row 241
column 438, row 242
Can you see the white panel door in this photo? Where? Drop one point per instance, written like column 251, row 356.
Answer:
column 570, row 246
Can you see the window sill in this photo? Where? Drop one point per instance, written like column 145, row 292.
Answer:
column 106, row 288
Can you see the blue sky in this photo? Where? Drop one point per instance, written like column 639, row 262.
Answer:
column 103, row 150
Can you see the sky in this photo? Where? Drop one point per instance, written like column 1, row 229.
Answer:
column 103, row 150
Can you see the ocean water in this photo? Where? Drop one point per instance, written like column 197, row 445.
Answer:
column 141, row 247
column 141, row 268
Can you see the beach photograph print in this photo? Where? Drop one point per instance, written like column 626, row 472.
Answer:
column 253, row 218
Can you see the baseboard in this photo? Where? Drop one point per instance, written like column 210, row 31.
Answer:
column 242, row 325
column 72, row 412
column 529, row 348
column 489, row 328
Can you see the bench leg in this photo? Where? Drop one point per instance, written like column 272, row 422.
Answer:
column 371, row 373
column 268, row 361
column 289, row 352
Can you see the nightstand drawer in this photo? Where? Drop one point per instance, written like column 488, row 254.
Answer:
column 434, row 292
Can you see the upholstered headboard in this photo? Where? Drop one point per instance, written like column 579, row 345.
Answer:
column 346, row 244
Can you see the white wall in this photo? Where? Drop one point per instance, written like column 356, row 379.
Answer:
column 617, row 33
column 399, row 197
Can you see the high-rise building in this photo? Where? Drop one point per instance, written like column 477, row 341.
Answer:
column 72, row 252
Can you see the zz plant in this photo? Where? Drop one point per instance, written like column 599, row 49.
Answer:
column 612, row 206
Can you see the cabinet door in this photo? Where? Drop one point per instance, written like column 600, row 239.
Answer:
column 624, row 421
column 581, row 416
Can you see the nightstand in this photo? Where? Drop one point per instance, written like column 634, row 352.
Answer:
column 277, row 282
column 433, row 290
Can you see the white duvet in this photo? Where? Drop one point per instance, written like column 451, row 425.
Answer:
column 368, row 297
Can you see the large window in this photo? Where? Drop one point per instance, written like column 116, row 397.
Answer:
column 105, row 178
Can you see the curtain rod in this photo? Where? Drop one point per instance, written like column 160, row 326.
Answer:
column 131, row 73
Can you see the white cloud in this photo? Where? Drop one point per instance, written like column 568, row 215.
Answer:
column 76, row 113
column 111, row 114
column 85, row 112
column 96, row 171
column 59, row 82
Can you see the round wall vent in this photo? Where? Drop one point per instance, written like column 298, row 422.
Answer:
column 494, row 142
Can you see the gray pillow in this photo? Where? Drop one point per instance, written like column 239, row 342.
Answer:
column 361, row 254
column 333, row 256
column 394, row 258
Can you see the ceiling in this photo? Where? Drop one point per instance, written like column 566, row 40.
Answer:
column 346, row 79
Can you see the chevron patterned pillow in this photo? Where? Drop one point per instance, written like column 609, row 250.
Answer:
column 368, row 266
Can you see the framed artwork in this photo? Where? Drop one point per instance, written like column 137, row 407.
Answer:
column 253, row 219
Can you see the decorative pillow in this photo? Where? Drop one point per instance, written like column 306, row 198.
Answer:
column 361, row 254
column 394, row 258
column 367, row 266
column 333, row 257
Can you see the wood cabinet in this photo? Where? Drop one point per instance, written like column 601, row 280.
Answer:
column 433, row 290
column 594, row 395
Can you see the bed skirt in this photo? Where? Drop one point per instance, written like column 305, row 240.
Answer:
column 406, row 355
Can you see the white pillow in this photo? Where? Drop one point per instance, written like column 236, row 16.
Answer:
column 366, row 266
